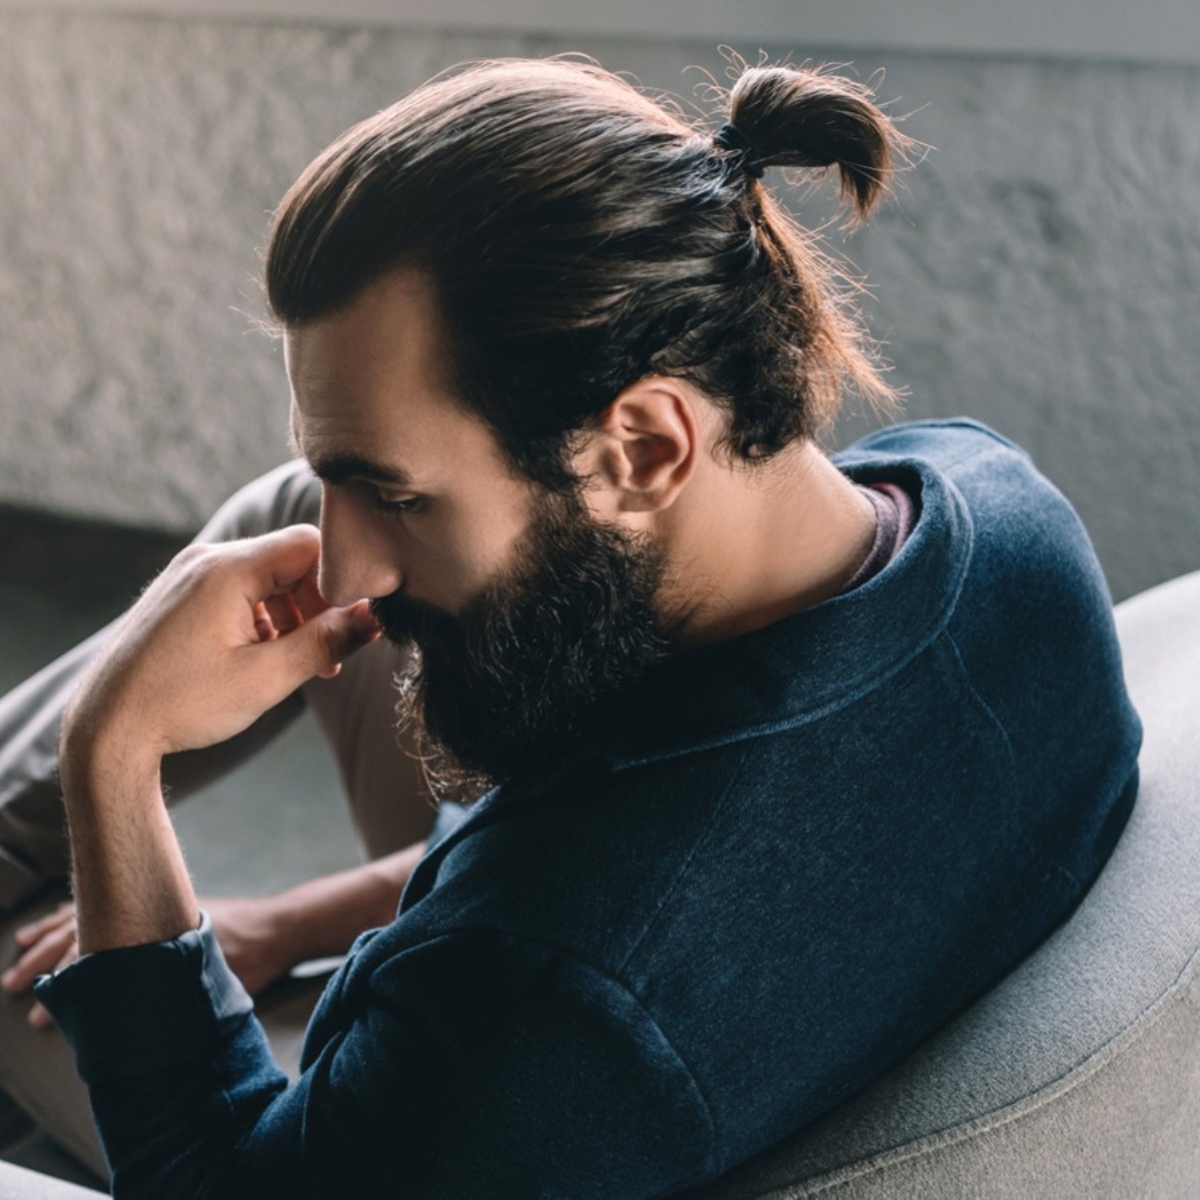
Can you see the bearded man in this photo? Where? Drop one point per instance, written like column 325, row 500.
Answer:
column 790, row 758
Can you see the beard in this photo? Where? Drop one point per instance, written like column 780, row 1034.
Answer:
column 513, row 684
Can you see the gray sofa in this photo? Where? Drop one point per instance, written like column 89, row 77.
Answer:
column 16, row 1183
column 1078, row 1077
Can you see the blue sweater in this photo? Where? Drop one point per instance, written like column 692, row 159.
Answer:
column 784, row 862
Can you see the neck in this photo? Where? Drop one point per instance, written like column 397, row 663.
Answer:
column 752, row 544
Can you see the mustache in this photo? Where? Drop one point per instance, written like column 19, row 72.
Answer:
column 405, row 620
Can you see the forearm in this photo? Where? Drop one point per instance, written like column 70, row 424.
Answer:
column 131, row 884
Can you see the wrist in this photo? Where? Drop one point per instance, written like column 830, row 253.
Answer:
column 283, row 929
column 99, row 748
column 323, row 916
column 96, row 765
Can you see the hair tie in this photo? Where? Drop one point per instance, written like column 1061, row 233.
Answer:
column 730, row 137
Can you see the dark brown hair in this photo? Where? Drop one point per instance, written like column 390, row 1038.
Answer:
column 581, row 236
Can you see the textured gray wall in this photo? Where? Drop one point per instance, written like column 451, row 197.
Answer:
column 1041, row 270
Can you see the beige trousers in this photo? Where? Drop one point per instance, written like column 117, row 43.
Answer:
column 382, row 783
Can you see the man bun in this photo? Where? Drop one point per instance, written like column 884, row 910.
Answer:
column 801, row 117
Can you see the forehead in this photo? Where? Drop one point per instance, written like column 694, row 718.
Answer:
column 368, row 386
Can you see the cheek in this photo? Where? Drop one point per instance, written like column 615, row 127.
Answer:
column 487, row 527
column 450, row 561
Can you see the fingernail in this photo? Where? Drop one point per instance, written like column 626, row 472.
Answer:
column 7, row 978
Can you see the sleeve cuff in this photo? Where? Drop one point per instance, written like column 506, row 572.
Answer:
column 145, row 1008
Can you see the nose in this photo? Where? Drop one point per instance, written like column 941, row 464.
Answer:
column 358, row 555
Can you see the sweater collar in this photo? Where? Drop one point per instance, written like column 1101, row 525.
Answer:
column 814, row 661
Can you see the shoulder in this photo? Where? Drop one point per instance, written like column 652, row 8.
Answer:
column 942, row 443
column 1015, row 520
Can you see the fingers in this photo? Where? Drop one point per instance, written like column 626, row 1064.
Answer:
column 225, row 633
column 282, row 615
column 49, row 944
column 264, row 626
column 278, row 561
column 277, row 573
column 39, row 1018
column 28, row 934
column 319, row 646
column 308, row 599
column 54, row 948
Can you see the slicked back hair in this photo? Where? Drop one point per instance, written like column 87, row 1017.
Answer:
column 579, row 237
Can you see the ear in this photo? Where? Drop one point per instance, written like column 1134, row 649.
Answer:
column 644, row 448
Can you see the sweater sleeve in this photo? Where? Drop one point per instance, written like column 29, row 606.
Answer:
column 475, row 1064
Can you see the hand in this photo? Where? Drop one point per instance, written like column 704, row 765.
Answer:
column 245, row 927
column 250, row 933
column 222, row 635
column 48, row 944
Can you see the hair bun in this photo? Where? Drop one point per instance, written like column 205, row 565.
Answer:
column 730, row 137
column 800, row 117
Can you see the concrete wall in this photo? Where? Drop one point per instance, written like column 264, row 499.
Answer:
column 1041, row 270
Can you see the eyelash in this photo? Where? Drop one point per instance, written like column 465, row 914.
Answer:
column 399, row 507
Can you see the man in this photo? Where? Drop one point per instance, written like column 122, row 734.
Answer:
column 793, row 758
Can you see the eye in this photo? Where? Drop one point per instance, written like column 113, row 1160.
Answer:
column 393, row 502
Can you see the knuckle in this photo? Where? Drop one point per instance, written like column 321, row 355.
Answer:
column 190, row 567
column 193, row 554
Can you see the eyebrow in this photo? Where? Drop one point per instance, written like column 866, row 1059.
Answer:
column 337, row 468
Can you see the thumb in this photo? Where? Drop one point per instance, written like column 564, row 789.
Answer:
column 319, row 646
